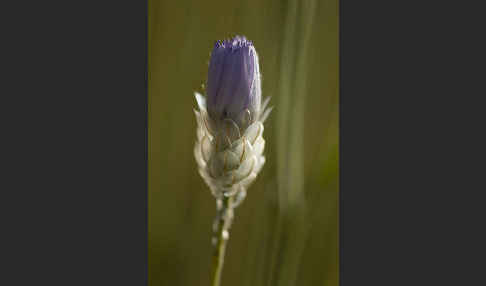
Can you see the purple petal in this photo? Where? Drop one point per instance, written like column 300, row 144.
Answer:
column 233, row 79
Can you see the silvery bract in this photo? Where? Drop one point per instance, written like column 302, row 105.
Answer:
column 229, row 146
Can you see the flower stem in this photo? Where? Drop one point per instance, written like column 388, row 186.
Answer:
column 224, row 217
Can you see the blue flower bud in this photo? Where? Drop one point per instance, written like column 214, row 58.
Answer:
column 233, row 86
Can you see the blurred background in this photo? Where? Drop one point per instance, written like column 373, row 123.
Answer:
column 286, row 231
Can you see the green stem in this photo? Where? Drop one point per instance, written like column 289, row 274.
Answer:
column 221, row 236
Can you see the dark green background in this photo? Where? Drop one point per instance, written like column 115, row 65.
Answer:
column 286, row 231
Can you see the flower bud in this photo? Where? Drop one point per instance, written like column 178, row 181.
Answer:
column 229, row 147
column 233, row 86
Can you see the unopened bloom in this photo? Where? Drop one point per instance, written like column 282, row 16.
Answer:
column 229, row 146
column 233, row 80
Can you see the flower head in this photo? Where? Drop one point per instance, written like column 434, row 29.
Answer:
column 229, row 146
column 233, row 85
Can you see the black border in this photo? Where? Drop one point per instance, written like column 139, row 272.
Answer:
column 410, row 113
column 75, row 185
